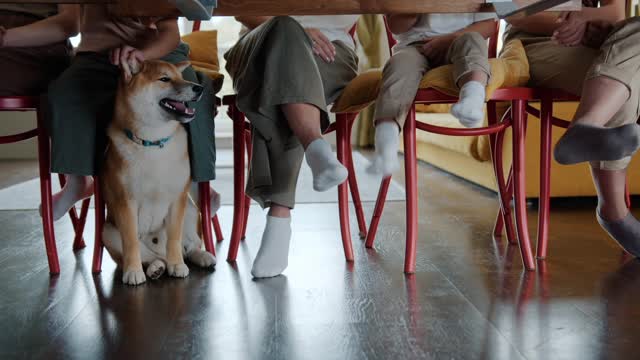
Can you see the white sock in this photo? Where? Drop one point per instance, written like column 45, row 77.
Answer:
column 325, row 167
column 214, row 197
column 385, row 161
column 470, row 107
column 75, row 189
column 273, row 256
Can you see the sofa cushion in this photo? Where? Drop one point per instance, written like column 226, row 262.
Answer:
column 467, row 145
column 204, row 55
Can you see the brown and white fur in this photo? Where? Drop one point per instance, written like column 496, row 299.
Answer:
column 146, row 187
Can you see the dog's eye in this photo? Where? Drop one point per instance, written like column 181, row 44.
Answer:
column 165, row 79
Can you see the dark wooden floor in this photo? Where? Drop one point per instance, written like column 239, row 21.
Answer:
column 469, row 299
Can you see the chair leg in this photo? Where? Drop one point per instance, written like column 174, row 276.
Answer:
column 217, row 229
column 238, row 182
column 519, row 182
column 343, row 195
column 377, row 212
column 247, row 200
column 545, row 177
column 411, row 180
column 78, row 241
column 99, row 218
column 205, row 214
column 45, row 196
column 77, row 221
column 505, row 193
column 353, row 181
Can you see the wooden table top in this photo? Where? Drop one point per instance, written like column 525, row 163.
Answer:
column 297, row 7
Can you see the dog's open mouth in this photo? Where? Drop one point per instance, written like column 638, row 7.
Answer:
column 179, row 108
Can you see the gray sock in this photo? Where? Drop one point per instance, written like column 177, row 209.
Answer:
column 591, row 143
column 625, row 231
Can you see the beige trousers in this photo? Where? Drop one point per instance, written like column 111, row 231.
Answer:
column 403, row 72
column 556, row 66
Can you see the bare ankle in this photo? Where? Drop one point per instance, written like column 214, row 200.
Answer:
column 279, row 211
column 613, row 213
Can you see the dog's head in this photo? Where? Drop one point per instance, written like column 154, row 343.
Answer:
column 158, row 84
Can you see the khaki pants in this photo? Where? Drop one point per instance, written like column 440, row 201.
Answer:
column 403, row 72
column 274, row 65
column 556, row 66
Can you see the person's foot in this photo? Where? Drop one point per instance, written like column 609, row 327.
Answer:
column 75, row 189
column 273, row 256
column 387, row 140
column 469, row 109
column 215, row 201
column 214, row 198
column 327, row 171
column 625, row 231
column 584, row 142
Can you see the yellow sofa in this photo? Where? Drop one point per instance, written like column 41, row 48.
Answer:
column 469, row 159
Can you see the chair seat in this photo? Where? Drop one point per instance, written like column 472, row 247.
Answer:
column 509, row 70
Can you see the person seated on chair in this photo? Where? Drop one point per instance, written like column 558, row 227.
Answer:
column 83, row 97
column 593, row 53
column 34, row 45
column 426, row 41
column 286, row 70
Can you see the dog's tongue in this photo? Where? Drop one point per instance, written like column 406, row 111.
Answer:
column 181, row 107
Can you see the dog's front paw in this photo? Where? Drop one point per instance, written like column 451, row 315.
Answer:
column 178, row 270
column 202, row 258
column 133, row 277
column 156, row 269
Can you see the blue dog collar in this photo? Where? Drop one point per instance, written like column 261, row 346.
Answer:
column 147, row 143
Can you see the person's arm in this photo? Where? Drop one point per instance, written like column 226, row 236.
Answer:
column 486, row 28
column 59, row 27
column 252, row 22
column 399, row 24
column 167, row 39
column 609, row 11
column 546, row 23
column 164, row 42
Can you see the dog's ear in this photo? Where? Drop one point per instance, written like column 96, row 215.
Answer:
column 136, row 67
column 183, row 65
column 130, row 69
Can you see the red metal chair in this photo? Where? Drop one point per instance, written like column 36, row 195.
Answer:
column 242, row 141
column 34, row 103
column 513, row 187
column 547, row 97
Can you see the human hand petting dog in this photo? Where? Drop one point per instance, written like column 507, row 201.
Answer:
column 436, row 48
column 127, row 58
column 572, row 30
column 322, row 46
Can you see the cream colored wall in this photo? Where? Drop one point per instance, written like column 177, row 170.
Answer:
column 12, row 123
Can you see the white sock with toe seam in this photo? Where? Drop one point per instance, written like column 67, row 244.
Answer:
column 387, row 141
column 327, row 171
column 75, row 189
column 469, row 109
column 273, row 256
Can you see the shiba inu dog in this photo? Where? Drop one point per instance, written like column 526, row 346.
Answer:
column 146, row 175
